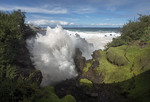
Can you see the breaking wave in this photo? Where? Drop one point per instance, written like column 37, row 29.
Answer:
column 53, row 53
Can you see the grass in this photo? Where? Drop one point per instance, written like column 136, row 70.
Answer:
column 132, row 78
column 138, row 89
column 137, row 57
column 112, row 73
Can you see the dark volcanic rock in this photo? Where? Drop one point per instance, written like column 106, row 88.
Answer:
column 94, row 77
column 72, row 87
column 97, row 93
column 95, row 64
column 96, row 54
column 79, row 61
column 22, row 58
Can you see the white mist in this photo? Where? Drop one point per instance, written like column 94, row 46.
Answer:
column 53, row 53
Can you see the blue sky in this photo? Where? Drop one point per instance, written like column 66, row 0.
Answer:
column 78, row 12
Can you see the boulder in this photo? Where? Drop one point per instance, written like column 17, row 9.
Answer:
column 96, row 54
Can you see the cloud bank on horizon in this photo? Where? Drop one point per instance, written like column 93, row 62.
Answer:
column 78, row 12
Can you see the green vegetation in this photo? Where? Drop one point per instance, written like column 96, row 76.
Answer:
column 117, row 56
column 131, row 78
column 126, row 61
column 48, row 95
column 133, row 31
column 19, row 80
column 137, row 89
column 111, row 72
column 86, row 82
column 85, row 69
column 68, row 98
column 13, row 33
column 137, row 61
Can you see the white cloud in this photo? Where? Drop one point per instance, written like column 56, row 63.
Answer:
column 56, row 10
column 106, row 24
column 83, row 10
column 43, row 22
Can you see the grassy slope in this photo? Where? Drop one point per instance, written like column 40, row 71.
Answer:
column 136, row 57
column 112, row 72
column 133, row 77
column 129, row 65
column 138, row 88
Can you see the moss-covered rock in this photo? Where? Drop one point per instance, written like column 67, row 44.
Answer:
column 86, row 82
column 86, row 68
column 136, row 61
column 117, row 56
column 96, row 54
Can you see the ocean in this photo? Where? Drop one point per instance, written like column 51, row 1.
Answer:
column 99, row 37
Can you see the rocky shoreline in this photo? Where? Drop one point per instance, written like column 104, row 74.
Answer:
column 99, row 92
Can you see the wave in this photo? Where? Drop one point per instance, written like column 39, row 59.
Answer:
column 53, row 53
column 98, row 38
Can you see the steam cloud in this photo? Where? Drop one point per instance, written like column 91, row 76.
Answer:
column 53, row 53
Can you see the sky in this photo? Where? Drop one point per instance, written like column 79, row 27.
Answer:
column 78, row 13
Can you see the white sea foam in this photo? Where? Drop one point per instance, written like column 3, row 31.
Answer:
column 99, row 39
column 53, row 53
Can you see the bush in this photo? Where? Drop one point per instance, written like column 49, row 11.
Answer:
column 134, row 30
column 116, row 42
column 12, row 90
column 13, row 34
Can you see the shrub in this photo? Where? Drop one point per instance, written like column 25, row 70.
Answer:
column 13, row 33
column 133, row 30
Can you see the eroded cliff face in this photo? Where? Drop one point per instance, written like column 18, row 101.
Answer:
column 86, row 68
column 81, row 63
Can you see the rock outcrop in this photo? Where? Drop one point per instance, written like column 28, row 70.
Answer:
column 79, row 61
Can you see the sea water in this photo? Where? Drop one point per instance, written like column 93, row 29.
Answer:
column 98, row 36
